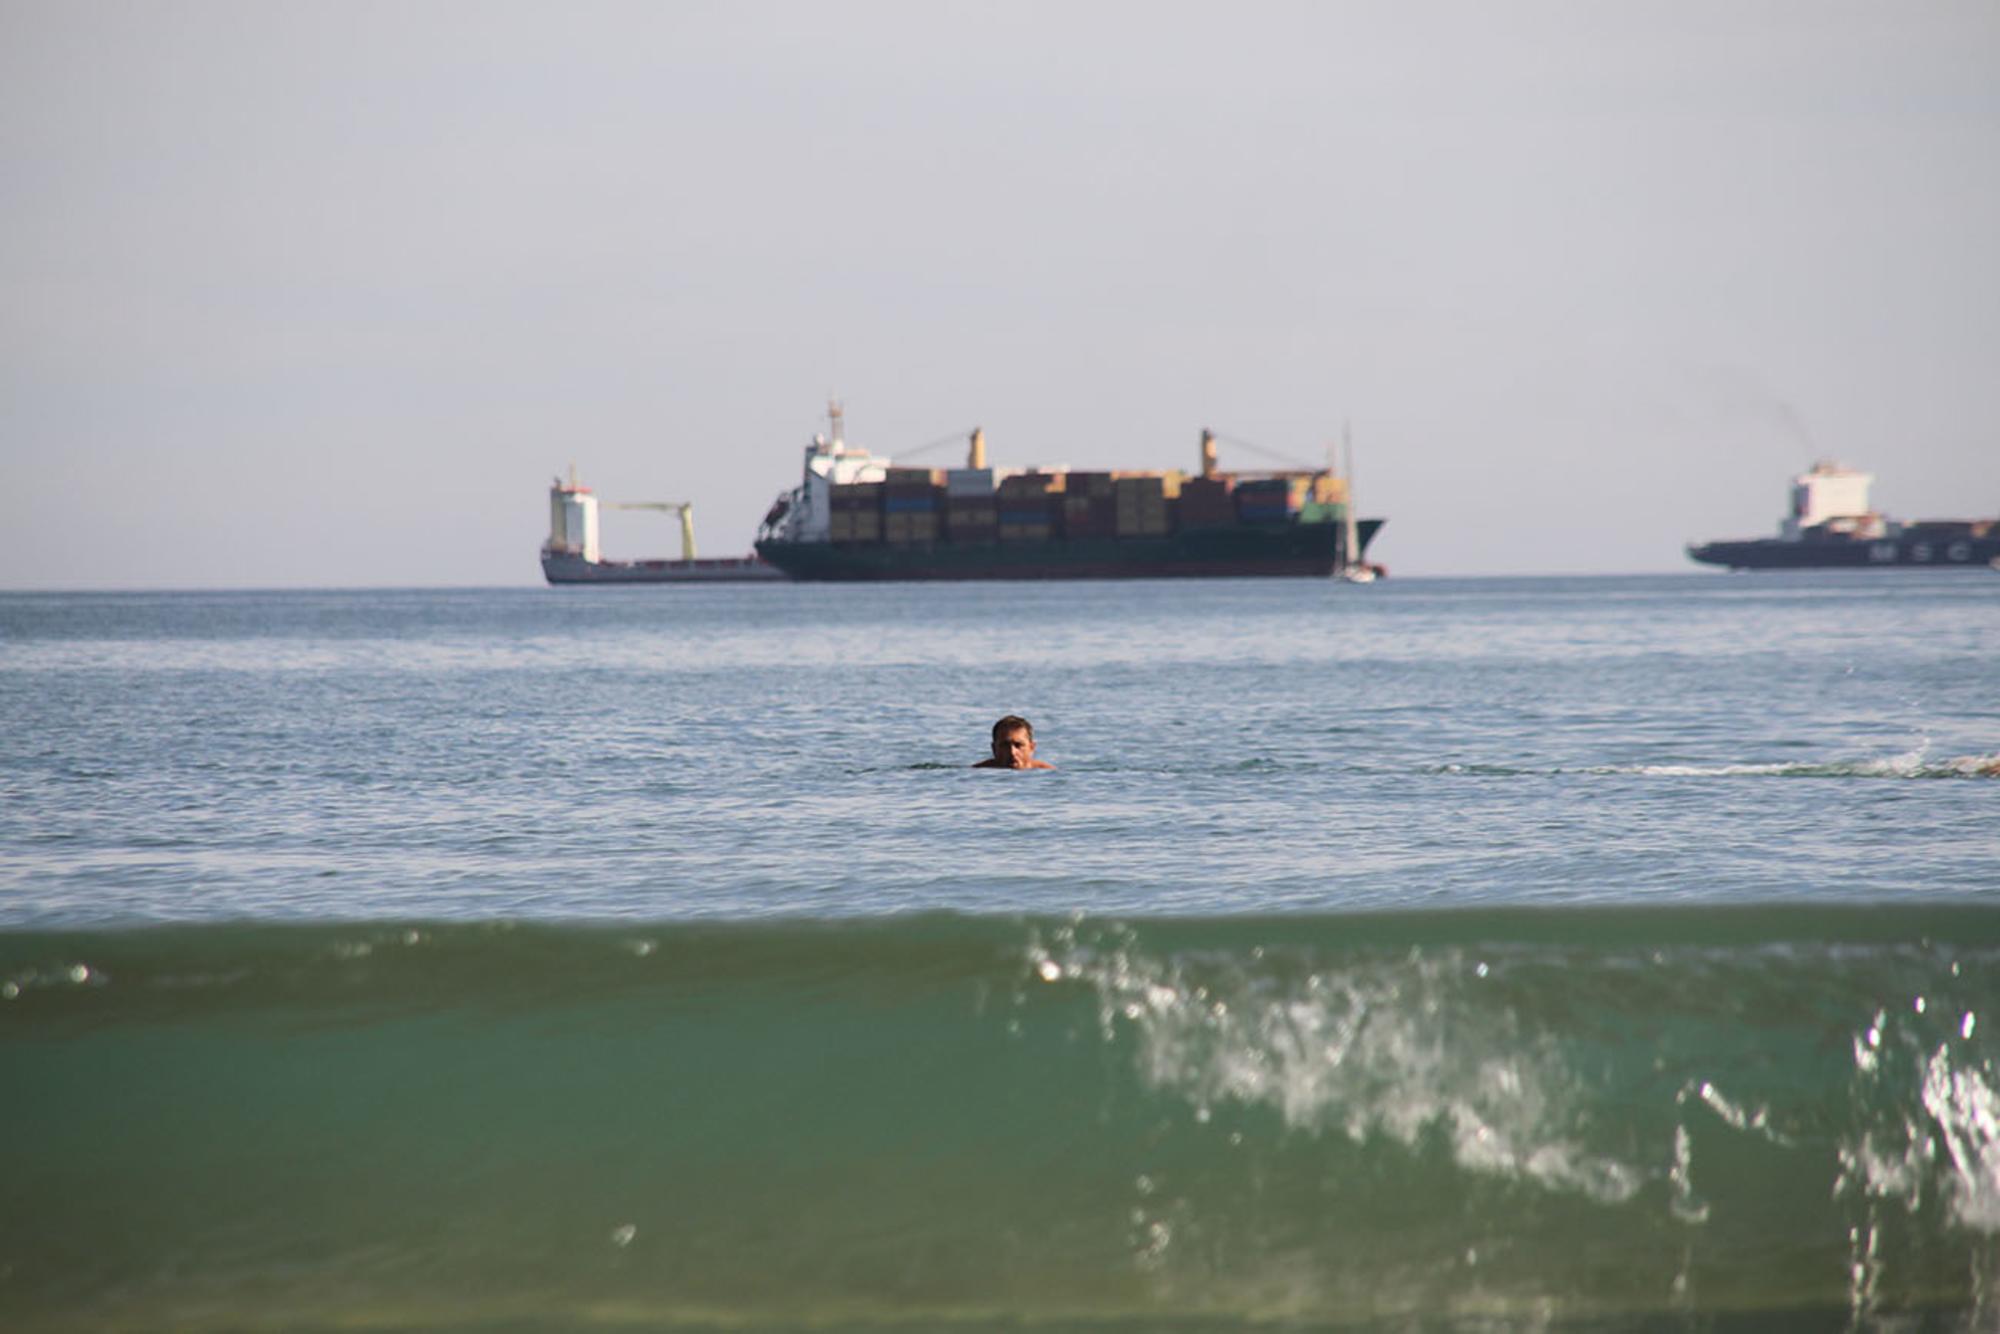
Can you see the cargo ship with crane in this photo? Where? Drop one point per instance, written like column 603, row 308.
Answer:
column 1831, row 526
column 571, row 554
column 856, row 517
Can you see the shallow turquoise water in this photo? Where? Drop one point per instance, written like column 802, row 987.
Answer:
column 1462, row 955
column 1594, row 1117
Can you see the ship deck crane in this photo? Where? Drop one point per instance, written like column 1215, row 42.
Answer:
column 686, row 512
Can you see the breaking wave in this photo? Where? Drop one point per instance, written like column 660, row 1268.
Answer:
column 1601, row 1115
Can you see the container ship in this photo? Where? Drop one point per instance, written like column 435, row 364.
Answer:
column 857, row 517
column 1831, row 526
column 571, row 555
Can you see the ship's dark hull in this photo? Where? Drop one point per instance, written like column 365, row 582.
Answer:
column 1304, row 550
column 560, row 568
column 1889, row 553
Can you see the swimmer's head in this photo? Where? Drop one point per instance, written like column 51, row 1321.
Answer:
column 1014, row 742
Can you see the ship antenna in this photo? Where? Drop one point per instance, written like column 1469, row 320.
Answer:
column 1350, row 528
column 1347, row 458
column 834, row 415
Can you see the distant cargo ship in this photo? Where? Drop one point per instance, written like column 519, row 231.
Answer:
column 1831, row 526
column 571, row 556
column 857, row 517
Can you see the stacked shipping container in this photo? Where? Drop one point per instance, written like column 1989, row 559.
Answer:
column 964, row 505
column 1205, row 503
column 910, row 505
column 1028, row 504
column 1270, row 499
column 1089, row 506
column 1142, row 505
column 969, row 511
column 856, row 512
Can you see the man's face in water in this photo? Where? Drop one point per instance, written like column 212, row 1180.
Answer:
column 1014, row 748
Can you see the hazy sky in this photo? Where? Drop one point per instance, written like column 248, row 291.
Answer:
column 322, row 294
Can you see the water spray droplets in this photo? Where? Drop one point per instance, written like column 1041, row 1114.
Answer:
column 62, row 975
column 1685, row 1204
column 1377, row 1045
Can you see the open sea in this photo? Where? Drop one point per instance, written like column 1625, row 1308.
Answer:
column 1594, row 954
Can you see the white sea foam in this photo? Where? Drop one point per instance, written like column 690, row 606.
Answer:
column 1935, row 1127
column 1750, row 1120
column 1966, row 1111
column 1390, row 1049
column 1910, row 764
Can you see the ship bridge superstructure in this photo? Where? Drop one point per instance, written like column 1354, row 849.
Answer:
column 1829, row 493
column 572, row 519
column 805, row 513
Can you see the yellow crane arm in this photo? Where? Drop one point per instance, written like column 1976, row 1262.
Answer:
column 686, row 509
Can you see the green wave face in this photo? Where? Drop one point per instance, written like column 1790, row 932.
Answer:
column 1606, row 1119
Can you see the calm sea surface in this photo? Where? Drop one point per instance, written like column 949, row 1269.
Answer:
column 1222, row 747
column 1595, row 953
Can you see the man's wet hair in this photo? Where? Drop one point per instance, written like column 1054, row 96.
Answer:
column 1009, row 723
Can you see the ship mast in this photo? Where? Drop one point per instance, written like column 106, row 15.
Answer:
column 1349, row 539
column 1352, row 570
